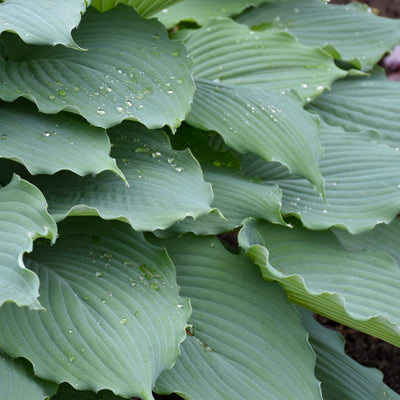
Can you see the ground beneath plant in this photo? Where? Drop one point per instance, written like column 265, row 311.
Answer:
column 365, row 349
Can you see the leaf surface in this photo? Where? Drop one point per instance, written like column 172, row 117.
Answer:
column 240, row 116
column 193, row 11
column 114, row 318
column 17, row 380
column 45, row 144
column 232, row 54
column 357, row 289
column 246, row 340
column 363, row 38
column 165, row 185
column 145, row 8
column 352, row 104
column 23, row 219
column 362, row 183
column 342, row 378
column 45, row 22
column 118, row 78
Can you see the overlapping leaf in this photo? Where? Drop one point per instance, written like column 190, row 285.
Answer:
column 358, row 289
column 165, row 186
column 17, row 381
column 131, row 71
column 237, row 71
column 46, row 144
column 352, row 104
column 145, row 8
column 246, row 340
column 259, row 122
column 232, row 54
column 362, row 39
column 362, row 183
column 46, row 22
column 193, row 11
column 23, row 219
column 342, row 377
column 114, row 318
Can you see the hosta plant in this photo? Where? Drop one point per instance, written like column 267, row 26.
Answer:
column 138, row 140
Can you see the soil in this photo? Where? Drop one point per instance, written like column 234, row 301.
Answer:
column 365, row 349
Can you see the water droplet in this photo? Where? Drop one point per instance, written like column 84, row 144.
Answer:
column 156, row 154
column 18, row 90
column 70, row 331
column 104, row 301
column 119, row 70
column 83, row 350
column 142, row 150
column 170, row 91
column 155, row 286
column 304, row 85
column 325, row 211
column 52, row 97
column 71, row 358
column 128, row 103
column 62, row 93
column 108, row 90
column 212, row 245
column 100, row 111
column 176, row 53
column 86, row 298
column 4, row 137
column 123, row 321
column 296, row 10
column 179, row 169
column 99, row 274
column 180, row 305
column 120, row 109
column 156, row 36
column 47, row 134
column 76, row 89
column 140, row 106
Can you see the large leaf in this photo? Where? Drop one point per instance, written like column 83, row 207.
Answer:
column 200, row 12
column 145, row 8
column 352, row 104
column 237, row 197
column 246, row 341
column 240, row 116
column 46, row 144
column 238, row 72
column 114, row 318
column 17, row 381
column 358, row 289
column 342, row 378
column 362, row 183
column 230, row 53
column 165, row 185
column 47, row 22
column 23, row 219
column 351, row 33
column 117, row 78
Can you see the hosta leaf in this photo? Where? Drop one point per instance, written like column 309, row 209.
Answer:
column 246, row 340
column 46, row 144
column 117, row 78
column 382, row 238
column 251, row 120
column 23, row 219
column 114, row 318
column 237, row 197
column 165, row 186
column 342, row 378
column 232, row 54
column 145, row 8
column 47, row 22
column 363, row 38
column 357, row 289
column 194, row 11
column 362, row 183
column 17, row 381
column 351, row 104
